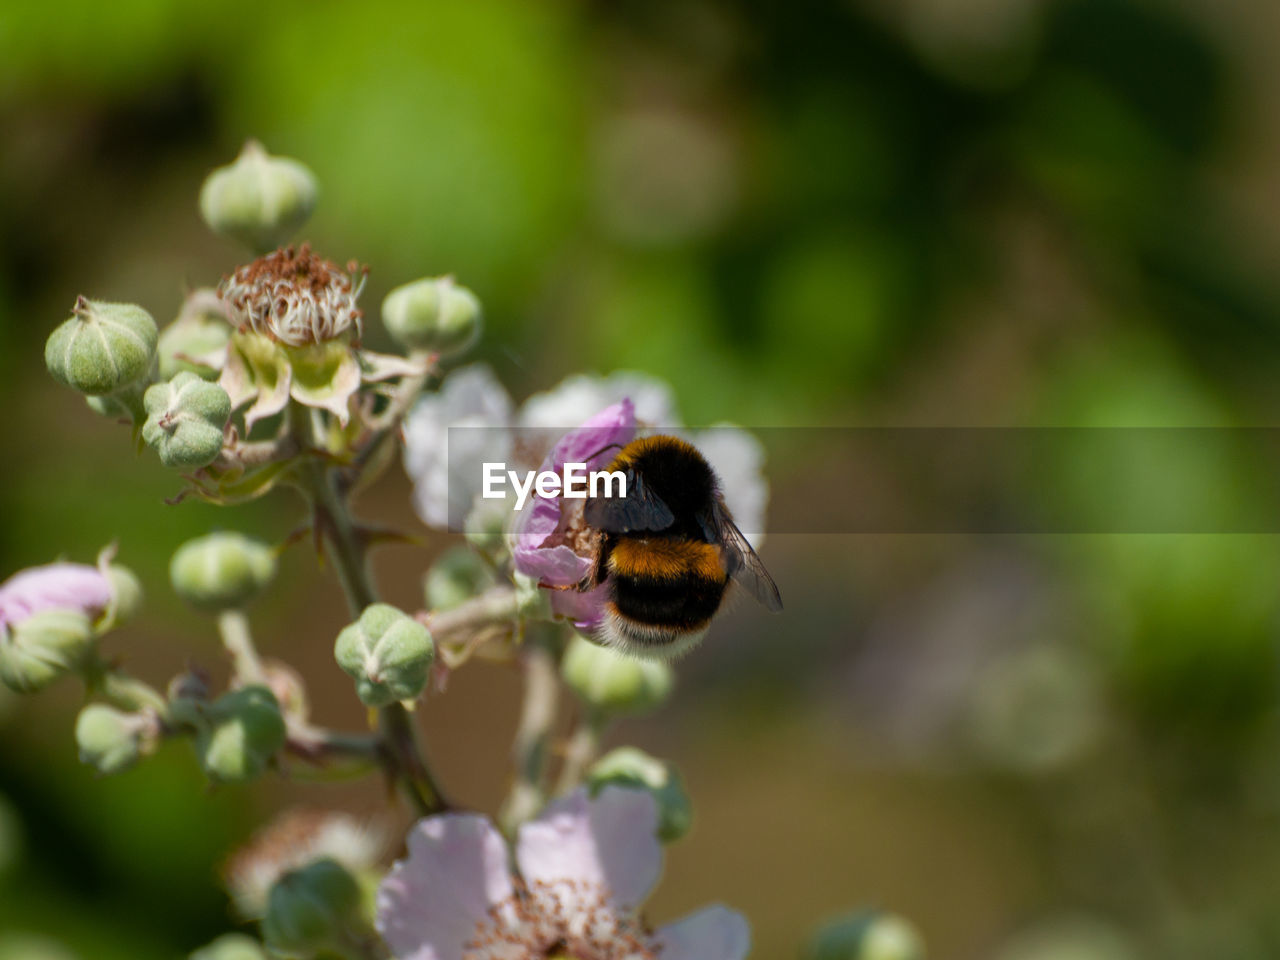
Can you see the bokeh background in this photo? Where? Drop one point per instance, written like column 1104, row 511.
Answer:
column 872, row 212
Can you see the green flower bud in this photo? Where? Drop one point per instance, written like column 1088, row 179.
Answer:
column 221, row 571
column 185, row 420
column 42, row 647
column 112, row 740
column 124, row 404
column 611, row 682
column 869, row 935
column 314, row 909
column 231, row 946
column 388, row 653
column 126, row 595
column 486, row 528
column 435, row 315
column 259, row 199
column 630, row 767
column 196, row 342
column 533, row 601
column 103, row 348
column 242, row 731
column 457, row 575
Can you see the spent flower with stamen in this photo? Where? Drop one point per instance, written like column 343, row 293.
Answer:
column 296, row 297
column 297, row 333
column 585, row 868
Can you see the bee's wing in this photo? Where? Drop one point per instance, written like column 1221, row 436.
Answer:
column 740, row 561
column 640, row 509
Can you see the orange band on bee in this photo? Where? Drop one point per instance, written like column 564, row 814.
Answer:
column 659, row 559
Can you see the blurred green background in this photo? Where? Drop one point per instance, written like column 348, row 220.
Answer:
column 874, row 212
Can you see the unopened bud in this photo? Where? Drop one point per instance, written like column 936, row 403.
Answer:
column 50, row 615
column 611, row 682
column 457, row 575
column 185, row 421
column 220, row 571
column 435, row 315
column 258, row 199
column 869, row 935
column 38, row 649
column 124, row 404
column 241, row 732
column 314, row 909
column 126, row 596
column 103, row 348
column 111, row 740
column 631, row 767
column 196, row 342
column 231, row 946
column 388, row 653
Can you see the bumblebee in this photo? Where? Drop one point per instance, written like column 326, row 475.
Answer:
column 666, row 550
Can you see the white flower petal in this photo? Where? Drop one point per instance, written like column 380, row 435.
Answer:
column 713, row 933
column 608, row 843
column 446, row 481
column 583, row 395
column 737, row 456
column 431, row 903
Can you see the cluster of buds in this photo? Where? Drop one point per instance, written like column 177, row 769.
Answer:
column 215, row 393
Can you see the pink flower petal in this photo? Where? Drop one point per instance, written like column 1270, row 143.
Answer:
column 61, row 586
column 608, row 843
column 547, row 564
column 713, row 933
column 588, row 443
column 536, row 550
column 586, row 610
column 431, row 903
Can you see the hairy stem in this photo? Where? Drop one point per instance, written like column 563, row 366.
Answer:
column 237, row 639
column 583, row 745
column 335, row 755
column 495, row 607
column 123, row 691
column 347, row 550
column 533, row 736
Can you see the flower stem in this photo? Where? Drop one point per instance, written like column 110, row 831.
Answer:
column 233, row 626
column 334, row 755
column 495, row 607
column 347, row 550
column 130, row 693
column 583, row 745
column 533, row 736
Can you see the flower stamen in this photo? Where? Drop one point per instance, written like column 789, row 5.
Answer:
column 296, row 297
